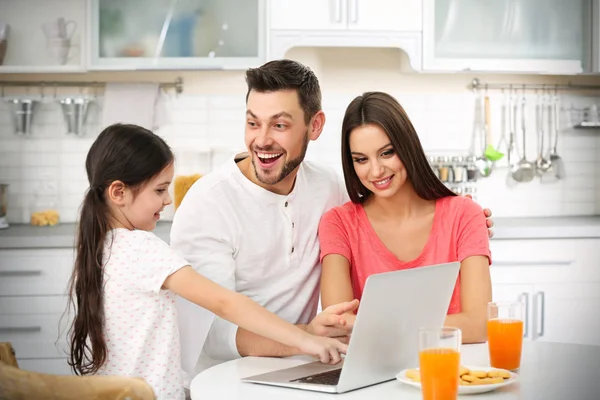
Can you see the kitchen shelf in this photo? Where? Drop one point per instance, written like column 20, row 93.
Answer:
column 50, row 69
column 587, row 125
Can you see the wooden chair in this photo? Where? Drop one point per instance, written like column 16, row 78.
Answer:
column 18, row 384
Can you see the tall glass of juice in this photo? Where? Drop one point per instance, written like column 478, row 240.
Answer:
column 439, row 362
column 505, row 334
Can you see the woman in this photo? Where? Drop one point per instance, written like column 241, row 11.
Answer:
column 401, row 216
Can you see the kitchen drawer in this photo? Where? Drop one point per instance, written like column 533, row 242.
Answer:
column 25, row 305
column 544, row 260
column 56, row 366
column 35, row 271
column 35, row 335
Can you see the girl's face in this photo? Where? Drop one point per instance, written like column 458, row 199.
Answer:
column 375, row 162
column 143, row 210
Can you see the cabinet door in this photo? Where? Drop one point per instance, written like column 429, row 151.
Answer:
column 157, row 34
column 567, row 313
column 385, row 15
column 308, row 14
column 505, row 35
column 42, row 37
column 522, row 293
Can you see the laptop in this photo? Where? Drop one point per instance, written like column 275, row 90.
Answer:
column 384, row 339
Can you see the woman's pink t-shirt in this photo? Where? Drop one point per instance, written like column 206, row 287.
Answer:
column 459, row 231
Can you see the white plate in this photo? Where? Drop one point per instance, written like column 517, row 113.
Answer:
column 463, row 389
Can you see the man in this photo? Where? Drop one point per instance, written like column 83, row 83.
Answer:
column 251, row 225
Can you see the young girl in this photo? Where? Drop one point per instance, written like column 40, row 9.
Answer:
column 400, row 216
column 125, row 278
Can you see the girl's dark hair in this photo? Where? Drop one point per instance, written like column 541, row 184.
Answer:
column 383, row 110
column 132, row 155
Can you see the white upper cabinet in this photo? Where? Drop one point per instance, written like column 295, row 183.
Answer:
column 386, row 15
column 545, row 36
column 346, row 23
column 308, row 14
column 183, row 34
column 42, row 36
column 341, row 15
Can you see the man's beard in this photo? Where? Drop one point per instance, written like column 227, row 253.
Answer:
column 287, row 169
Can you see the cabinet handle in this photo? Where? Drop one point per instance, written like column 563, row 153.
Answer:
column 336, row 10
column 542, row 298
column 525, row 295
column 353, row 12
column 20, row 329
column 20, row 273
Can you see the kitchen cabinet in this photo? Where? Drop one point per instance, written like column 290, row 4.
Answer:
column 188, row 34
column 33, row 301
column 358, row 15
column 346, row 23
column 557, row 280
column 43, row 36
column 593, row 25
column 540, row 36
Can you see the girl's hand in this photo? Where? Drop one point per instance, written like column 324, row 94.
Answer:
column 326, row 349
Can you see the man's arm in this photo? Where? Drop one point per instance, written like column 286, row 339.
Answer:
column 200, row 234
column 330, row 322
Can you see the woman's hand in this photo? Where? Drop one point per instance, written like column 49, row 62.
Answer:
column 332, row 321
column 326, row 349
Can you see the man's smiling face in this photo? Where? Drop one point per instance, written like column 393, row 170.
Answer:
column 277, row 135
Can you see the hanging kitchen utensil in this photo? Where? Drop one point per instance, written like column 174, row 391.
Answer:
column 558, row 167
column 523, row 171
column 75, row 113
column 3, row 205
column 512, row 153
column 22, row 111
column 490, row 152
column 503, row 143
column 484, row 165
column 542, row 165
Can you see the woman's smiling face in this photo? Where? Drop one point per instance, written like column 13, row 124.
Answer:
column 376, row 163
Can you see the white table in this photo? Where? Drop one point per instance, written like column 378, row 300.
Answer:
column 549, row 371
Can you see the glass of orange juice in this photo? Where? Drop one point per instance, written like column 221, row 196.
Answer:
column 505, row 334
column 439, row 362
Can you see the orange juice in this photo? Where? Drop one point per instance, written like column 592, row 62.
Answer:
column 439, row 373
column 505, row 340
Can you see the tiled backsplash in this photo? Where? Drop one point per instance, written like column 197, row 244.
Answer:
column 200, row 122
column 210, row 115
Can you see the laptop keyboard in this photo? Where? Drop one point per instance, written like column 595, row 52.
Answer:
column 329, row 378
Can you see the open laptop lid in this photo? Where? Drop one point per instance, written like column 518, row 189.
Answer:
column 393, row 307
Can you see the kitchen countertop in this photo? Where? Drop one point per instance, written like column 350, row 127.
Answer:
column 27, row 236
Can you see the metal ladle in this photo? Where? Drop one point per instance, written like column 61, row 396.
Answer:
column 523, row 171
column 556, row 162
column 542, row 165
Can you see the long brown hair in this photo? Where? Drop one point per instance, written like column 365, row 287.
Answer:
column 132, row 155
column 383, row 110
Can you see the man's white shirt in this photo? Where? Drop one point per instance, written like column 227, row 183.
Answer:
column 258, row 243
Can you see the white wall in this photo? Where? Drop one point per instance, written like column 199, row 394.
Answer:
column 210, row 113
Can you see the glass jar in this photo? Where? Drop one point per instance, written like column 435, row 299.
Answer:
column 459, row 172
column 472, row 191
column 444, row 168
column 472, row 172
column 44, row 207
column 436, row 171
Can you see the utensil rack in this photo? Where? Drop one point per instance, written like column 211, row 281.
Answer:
column 582, row 123
column 476, row 84
column 177, row 84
